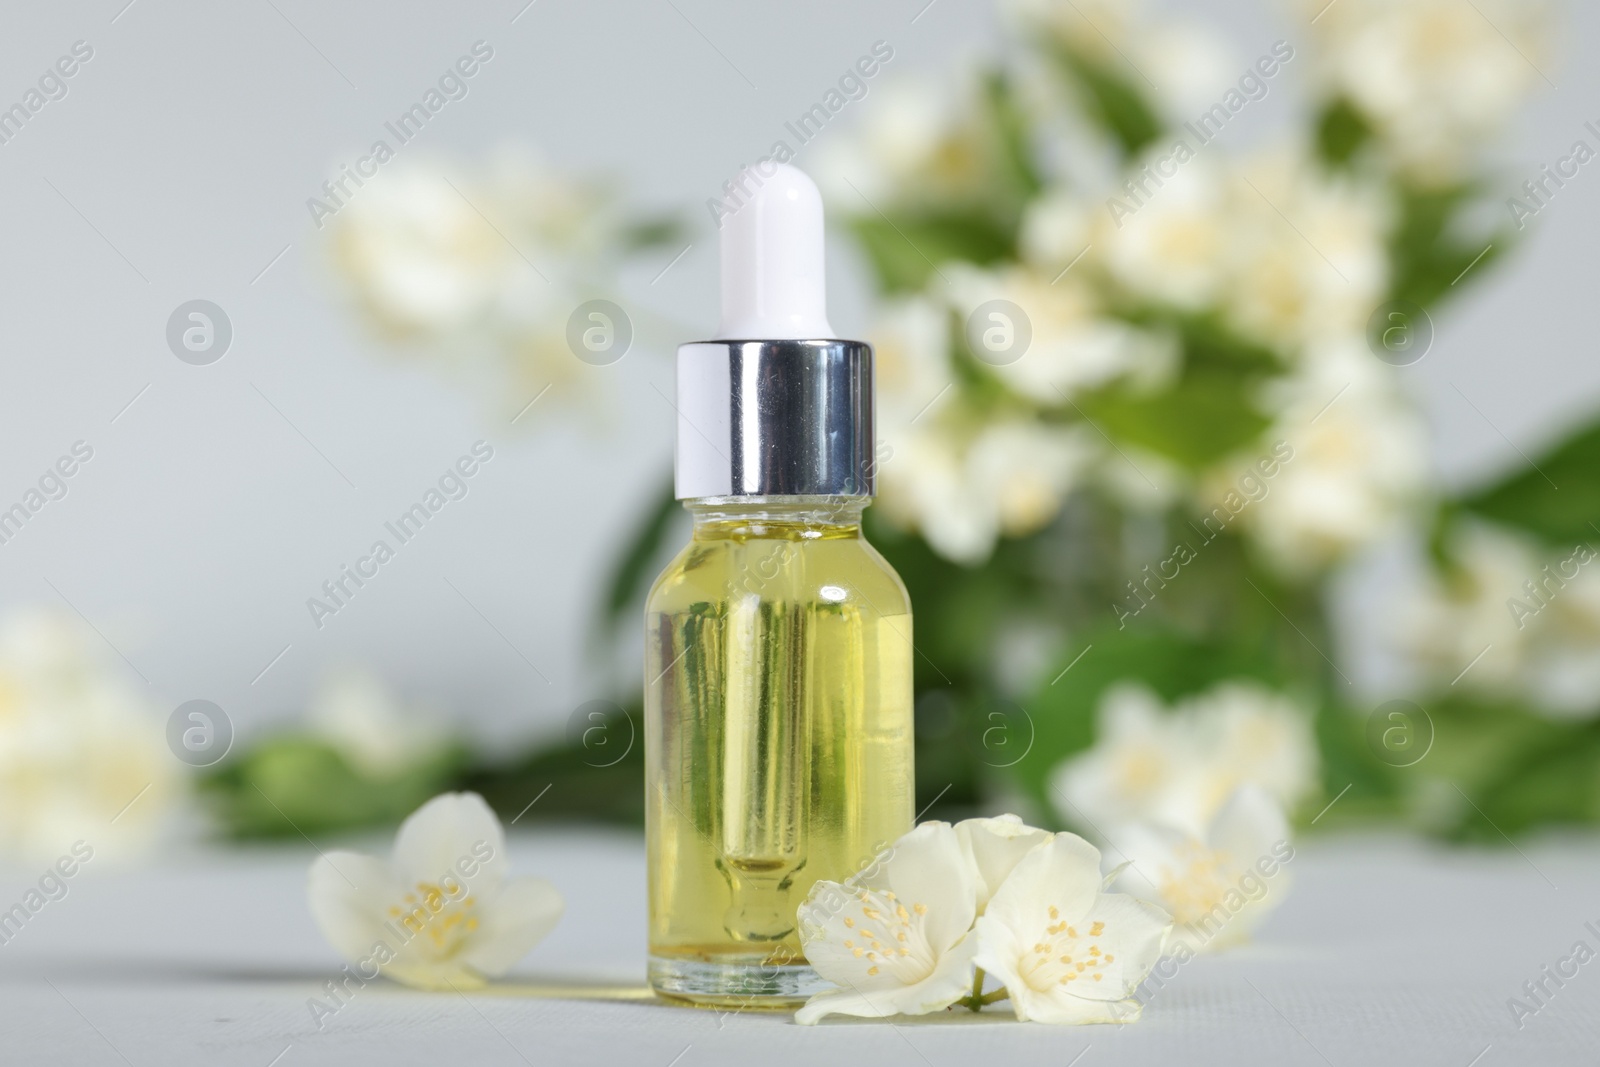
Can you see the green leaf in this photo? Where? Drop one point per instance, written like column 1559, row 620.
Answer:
column 1341, row 132
column 959, row 608
column 1556, row 497
column 568, row 783
column 906, row 248
column 1508, row 770
column 293, row 784
column 647, row 233
column 1557, row 782
column 1011, row 126
column 1209, row 343
column 632, row 575
column 1113, row 100
column 950, row 781
column 1207, row 413
column 1492, row 770
column 1204, row 417
column 1430, row 259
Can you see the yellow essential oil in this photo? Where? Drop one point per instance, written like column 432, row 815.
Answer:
column 778, row 715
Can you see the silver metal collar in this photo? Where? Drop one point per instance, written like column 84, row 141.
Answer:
column 775, row 418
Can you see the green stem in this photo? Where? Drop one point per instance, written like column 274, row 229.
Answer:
column 979, row 998
column 975, row 1002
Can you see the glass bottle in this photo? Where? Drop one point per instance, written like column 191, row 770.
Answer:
column 778, row 736
column 778, row 643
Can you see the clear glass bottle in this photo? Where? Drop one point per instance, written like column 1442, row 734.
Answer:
column 778, row 732
column 778, row 644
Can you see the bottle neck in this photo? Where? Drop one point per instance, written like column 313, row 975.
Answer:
column 776, row 516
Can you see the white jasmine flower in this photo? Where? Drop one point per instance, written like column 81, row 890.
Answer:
column 1218, row 885
column 441, row 911
column 573, row 217
column 1029, row 467
column 1308, row 255
column 1057, row 229
column 1138, row 768
column 995, row 846
column 911, row 360
column 82, row 752
column 420, row 258
column 1253, row 735
column 919, row 143
column 1435, row 77
column 922, row 481
column 963, row 482
column 480, row 268
column 1067, row 952
column 1526, row 619
column 1072, row 346
column 1177, row 768
column 1290, row 253
column 1562, row 621
column 1453, row 618
column 964, row 492
column 1564, row 668
column 1359, row 461
column 895, row 938
column 1174, row 248
column 355, row 713
column 1196, row 65
column 924, row 487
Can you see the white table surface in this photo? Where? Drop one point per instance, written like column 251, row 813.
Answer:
column 1386, row 951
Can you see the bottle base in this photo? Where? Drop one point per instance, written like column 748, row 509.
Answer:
column 753, row 985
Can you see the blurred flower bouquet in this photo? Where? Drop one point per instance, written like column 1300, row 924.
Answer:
column 1140, row 398
column 1140, row 401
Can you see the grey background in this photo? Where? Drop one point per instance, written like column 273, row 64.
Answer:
column 190, row 143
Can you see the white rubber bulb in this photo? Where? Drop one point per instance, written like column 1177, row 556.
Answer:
column 772, row 276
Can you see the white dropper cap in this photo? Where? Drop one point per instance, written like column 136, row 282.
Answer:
column 772, row 277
